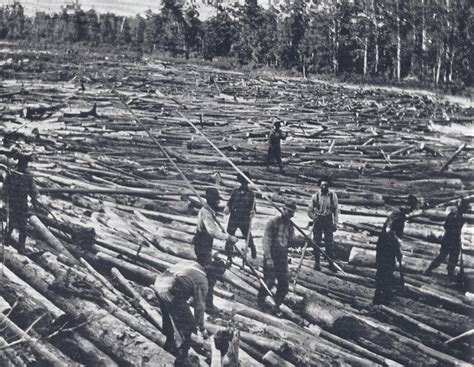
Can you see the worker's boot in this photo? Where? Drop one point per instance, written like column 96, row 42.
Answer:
column 317, row 262
column 182, row 356
column 253, row 252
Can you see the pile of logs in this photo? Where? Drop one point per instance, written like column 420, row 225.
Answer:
column 119, row 215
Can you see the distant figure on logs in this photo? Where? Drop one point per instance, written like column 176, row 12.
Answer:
column 173, row 289
column 389, row 249
column 18, row 185
column 279, row 234
column 206, row 231
column 274, row 145
column 324, row 211
column 241, row 206
column 451, row 241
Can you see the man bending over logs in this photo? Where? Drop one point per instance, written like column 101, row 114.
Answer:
column 173, row 289
column 388, row 249
column 18, row 185
column 207, row 229
column 451, row 241
column 279, row 233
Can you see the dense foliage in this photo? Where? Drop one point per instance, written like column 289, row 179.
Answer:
column 428, row 41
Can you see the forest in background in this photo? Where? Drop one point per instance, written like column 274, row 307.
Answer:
column 421, row 42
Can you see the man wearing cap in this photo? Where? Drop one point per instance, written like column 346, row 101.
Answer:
column 278, row 235
column 206, row 230
column 389, row 249
column 174, row 288
column 18, row 185
column 451, row 241
column 324, row 211
column 274, row 145
column 241, row 206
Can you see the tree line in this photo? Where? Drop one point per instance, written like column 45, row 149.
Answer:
column 430, row 41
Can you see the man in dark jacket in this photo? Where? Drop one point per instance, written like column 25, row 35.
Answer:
column 18, row 185
column 388, row 249
column 279, row 234
column 207, row 229
column 324, row 211
column 451, row 241
column 274, row 145
column 241, row 206
column 174, row 288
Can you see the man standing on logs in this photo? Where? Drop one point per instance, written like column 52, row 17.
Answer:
column 241, row 206
column 173, row 289
column 451, row 241
column 274, row 145
column 389, row 249
column 206, row 231
column 18, row 185
column 324, row 211
column 279, row 233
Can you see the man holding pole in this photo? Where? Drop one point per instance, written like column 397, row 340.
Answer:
column 324, row 211
column 389, row 249
column 18, row 185
column 451, row 241
column 207, row 229
column 241, row 206
column 278, row 235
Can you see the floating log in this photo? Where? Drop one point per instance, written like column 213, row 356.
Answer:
column 51, row 240
column 102, row 328
column 43, row 351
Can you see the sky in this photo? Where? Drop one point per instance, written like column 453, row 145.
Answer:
column 119, row 7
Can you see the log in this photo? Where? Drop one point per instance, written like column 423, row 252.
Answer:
column 51, row 240
column 359, row 350
column 453, row 157
column 43, row 351
column 137, row 273
column 272, row 359
column 103, row 329
column 71, row 343
column 150, row 312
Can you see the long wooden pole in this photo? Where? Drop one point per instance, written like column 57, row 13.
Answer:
column 456, row 153
column 260, row 191
column 188, row 183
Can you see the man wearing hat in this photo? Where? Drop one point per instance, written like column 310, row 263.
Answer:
column 278, row 235
column 18, row 185
column 274, row 145
column 174, row 288
column 451, row 241
column 389, row 249
column 324, row 211
column 206, row 231
column 241, row 206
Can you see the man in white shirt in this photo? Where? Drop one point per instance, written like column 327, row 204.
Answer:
column 324, row 211
column 206, row 230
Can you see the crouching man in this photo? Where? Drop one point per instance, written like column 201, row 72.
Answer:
column 174, row 288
